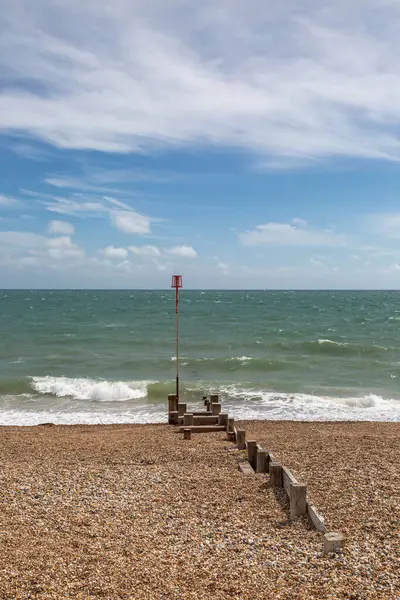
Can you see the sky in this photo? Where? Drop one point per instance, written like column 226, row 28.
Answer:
column 242, row 145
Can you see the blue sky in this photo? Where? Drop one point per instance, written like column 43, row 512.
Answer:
column 244, row 146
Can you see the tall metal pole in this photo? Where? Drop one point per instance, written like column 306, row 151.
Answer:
column 177, row 283
column 177, row 341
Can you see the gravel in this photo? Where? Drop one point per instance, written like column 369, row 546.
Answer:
column 136, row 512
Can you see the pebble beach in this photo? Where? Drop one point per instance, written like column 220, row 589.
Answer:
column 136, row 512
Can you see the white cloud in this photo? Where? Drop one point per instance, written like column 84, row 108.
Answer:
column 184, row 251
column 224, row 268
column 60, row 228
column 22, row 239
column 285, row 80
column 117, row 253
column 131, row 222
column 21, row 243
column 8, row 201
column 121, row 215
column 63, row 247
column 384, row 224
column 291, row 234
column 146, row 250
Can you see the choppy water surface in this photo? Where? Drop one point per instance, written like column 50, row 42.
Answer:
column 108, row 356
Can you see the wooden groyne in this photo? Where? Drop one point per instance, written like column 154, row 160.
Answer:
column 259, row 460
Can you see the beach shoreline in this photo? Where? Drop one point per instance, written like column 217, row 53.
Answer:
column 134, row 511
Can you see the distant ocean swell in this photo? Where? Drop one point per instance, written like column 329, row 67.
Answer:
column 66, row 400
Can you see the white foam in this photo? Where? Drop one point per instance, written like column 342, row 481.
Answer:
column 322, row 341
column 90, row 389
column 139, row 415
column 307, row 407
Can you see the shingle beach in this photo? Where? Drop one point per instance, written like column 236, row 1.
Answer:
column 136, row 512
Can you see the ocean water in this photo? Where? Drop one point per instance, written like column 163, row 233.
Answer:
column 109, row 356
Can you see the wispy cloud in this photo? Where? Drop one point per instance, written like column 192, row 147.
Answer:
column 61, row 228
column 183, row 251
column 296, row 81
column 115, row 253
column 386, row 225
column 120, row 214
column 8, row 201
column 296, row 233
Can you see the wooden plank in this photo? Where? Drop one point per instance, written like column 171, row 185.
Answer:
column 288, row 480
column 246, row 468
column 206, row 420
column 203, row 428
column 316, row 519
column 202, row 413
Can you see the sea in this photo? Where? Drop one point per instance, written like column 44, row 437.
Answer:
column 70, row 357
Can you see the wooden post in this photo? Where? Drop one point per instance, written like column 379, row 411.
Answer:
column 187, row 434
column 223, row 419
column 215, row 408
column 298, row 500
column 230, row 430
column 173, row 417
column 208, row 405
column 241, row 439
column 252, row 453
column 181, row 409
column 333, row 542
column 172, row 403
column 188, row 419
column 205, row 400
column 262, row 464
column 275, row 474
column 214, row 398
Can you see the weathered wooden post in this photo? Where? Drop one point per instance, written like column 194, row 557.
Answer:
column 214, row 398
column 275, row 474
column 252, row 453
column 230, row 434
column 333, row 542
column 172, row 402
column 298, row 500
column 172, row 407
column 215, row 408
column 187, row 434
column 181, row 409
column 223, row 419
column 262, row 464
column 173, row 417
column 241, row 439
column 188, row 419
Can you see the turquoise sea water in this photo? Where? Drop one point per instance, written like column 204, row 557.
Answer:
column 109, row 356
